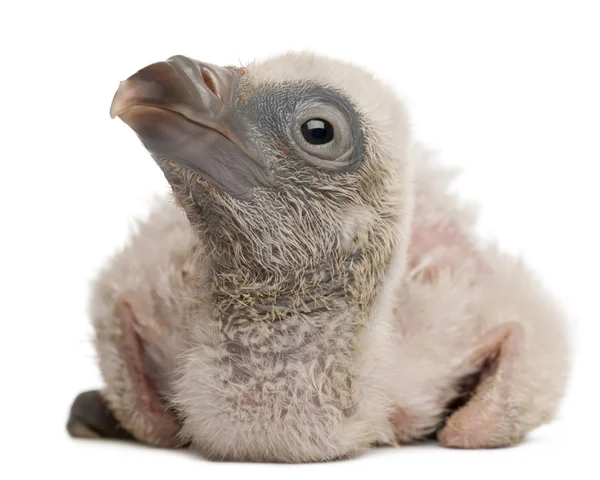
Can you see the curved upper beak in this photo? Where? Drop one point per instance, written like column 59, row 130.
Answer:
column 183, row 110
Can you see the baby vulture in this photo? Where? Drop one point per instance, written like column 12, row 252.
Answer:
column 311, row 289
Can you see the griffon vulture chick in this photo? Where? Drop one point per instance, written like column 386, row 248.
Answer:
column 313, row 289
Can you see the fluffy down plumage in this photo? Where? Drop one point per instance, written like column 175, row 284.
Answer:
column 434, row 332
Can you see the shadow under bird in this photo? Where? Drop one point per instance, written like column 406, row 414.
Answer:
column 310, row 289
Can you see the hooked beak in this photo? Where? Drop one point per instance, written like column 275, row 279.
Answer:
column 183, row 111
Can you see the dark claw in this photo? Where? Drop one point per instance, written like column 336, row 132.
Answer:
column 91, row 418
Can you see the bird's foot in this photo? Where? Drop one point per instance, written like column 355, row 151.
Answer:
column 91, row 418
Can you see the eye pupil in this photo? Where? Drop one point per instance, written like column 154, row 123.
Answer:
column 317, row 131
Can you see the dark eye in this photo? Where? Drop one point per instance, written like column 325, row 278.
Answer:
column 317, row 131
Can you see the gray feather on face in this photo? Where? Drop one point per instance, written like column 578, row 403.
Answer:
column 316, row 289
column 297, row 223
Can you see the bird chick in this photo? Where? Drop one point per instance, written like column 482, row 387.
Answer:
column 311, row 289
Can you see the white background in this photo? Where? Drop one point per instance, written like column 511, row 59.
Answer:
column 509, row 91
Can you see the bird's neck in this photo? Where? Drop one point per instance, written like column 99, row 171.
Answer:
column 245, row 294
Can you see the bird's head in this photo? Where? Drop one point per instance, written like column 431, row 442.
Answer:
column 282, row 165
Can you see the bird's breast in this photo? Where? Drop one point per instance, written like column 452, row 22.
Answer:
column 272, row 391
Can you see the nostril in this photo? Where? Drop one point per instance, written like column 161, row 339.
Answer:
column 210, row 82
